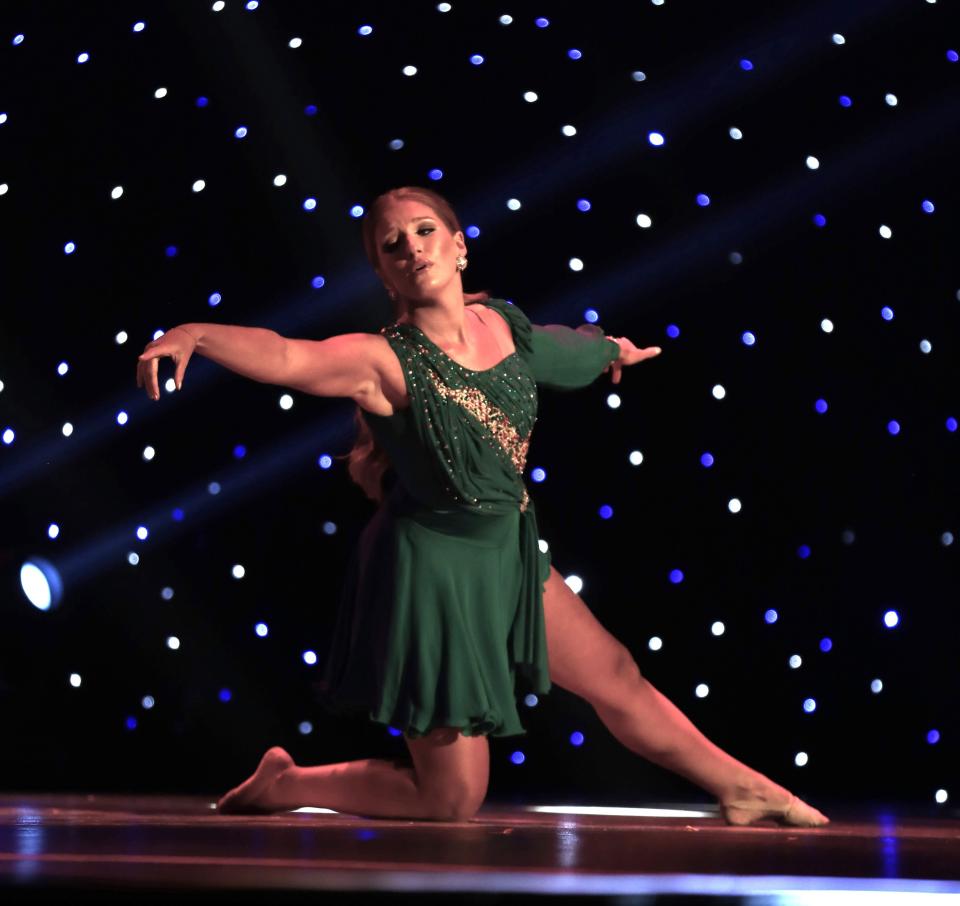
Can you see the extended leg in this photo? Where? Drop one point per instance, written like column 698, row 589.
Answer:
column 588, row 661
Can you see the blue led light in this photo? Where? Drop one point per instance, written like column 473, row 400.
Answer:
column 17, row 39
column 171, row 251
column 131, row 723
column 951, row 424
column 893, row 427
column 325, row 461
column 240, row 132
column 819, row 220
column 476, row 59
column 933, row 737
column 591, row 316
column 746, row 65
column 606, row 512
column 809, row 705
column 239, row 451
column 576, row 738
column 365, row 30
column 673, row 331
column 803, row 552
column 538, row 475
column 656, row 139
column 435, row 174
column 393, row 731
column 676, row 576
column 530, row 700
column 310, row 110
column 177, row 515
column 310, row 204
column 821, row 406
column 574, row 54
column 952, row 55
column 225, row 695
column 928, row 206
column 706, row 460
column 771, row 616
column 202, row 101
column 356, row 211
column 473, row 231
column 890, row 619
column 703, row 200
column 69, row 248
column 748, row 338
column 518, row 758
column 845, row 101
column 583, row 205
column 396, row 144
column 825, row 644
column 262, row 630
column 542, row 23
column 214, row 299
column 886, row 313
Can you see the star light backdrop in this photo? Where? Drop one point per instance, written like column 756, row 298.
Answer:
column 765, row 514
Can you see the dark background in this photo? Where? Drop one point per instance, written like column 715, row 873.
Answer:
column 875, row 509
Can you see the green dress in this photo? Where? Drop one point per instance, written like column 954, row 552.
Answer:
column 441, row 612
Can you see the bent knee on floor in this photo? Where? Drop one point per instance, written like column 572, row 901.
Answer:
column 455, row 806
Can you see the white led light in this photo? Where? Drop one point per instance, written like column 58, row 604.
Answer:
column 121, row 338
column 655, row 643
column 148, row 701
column 826, row 325
column 238, row 572
column 142, row 532
column 530, row 96
column 638, row 76
column 122, row 418
column 409, row 70
column 800, row 759
column 838, row 39
column 925, row 346
column 513, row 204
column 644, row 221
column 279, row 180
column 718, row 628
column 506, row 20
column 219, row 5
column 295, row 43
column 876, row 686
column 544, row 547
column 636, row 457
column 812, row 163
column 75, row 680
column 173, row 643
column 568, row 130
column 613, row 401
column 160, row 93
column 444, row 7
column 702, row 690
column 310, row 657
column 4, row 188
column 148, row 453
column 734, row 505
column 940, row 796
column 795, row 661
column 286, row 401
column 170, row 385
column 133, row 558
column 718, row 392
column 67, row 429
column 116, row 192
column 891, row 100
column 735, row 133
column 885, row 231
column 199, row 185
column 53, row 530
column 575, row 264
column 575, row 583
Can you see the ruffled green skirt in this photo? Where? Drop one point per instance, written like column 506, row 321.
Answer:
column 440, row 621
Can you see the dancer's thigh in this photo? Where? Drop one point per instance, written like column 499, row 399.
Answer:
column 452, row 771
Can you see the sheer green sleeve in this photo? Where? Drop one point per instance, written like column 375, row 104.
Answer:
column 560, row 357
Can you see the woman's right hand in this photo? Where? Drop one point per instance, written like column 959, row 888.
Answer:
column 179, row 344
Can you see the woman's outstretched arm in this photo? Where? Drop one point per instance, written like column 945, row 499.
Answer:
column 345, row 365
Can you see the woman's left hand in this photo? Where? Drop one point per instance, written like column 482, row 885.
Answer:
column 629, row 355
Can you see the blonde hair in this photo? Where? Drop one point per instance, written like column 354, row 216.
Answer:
column 367, row 461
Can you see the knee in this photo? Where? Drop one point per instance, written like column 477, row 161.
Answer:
column 459, row 802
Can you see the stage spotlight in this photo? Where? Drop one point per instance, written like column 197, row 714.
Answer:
column 41, row 583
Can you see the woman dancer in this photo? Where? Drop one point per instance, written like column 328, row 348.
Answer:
column 449, row 607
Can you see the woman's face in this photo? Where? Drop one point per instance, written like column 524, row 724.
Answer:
column 416, row 250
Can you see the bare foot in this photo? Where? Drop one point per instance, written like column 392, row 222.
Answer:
column 761, row 799
column 253, row 797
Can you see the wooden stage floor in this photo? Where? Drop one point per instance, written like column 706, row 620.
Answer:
column 108, row 848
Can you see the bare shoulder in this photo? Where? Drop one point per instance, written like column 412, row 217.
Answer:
column 500, row 324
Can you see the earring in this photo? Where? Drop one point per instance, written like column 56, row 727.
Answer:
column 392, row 293
column 461, row 263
